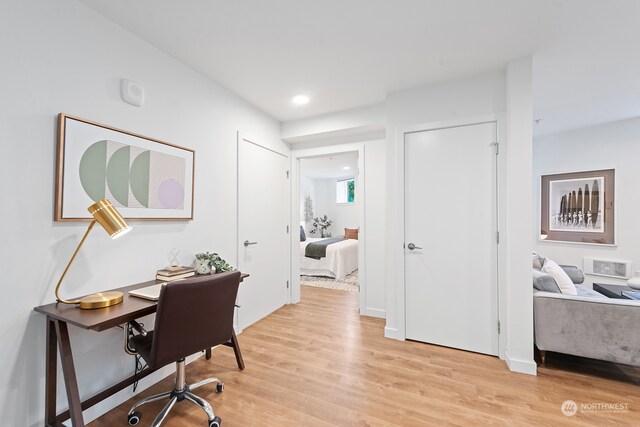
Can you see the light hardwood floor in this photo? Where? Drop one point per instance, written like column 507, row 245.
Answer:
column 318, row 363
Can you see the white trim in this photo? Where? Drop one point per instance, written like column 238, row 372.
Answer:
column 294, row 279
column 501, row 173
column 398, row 242
column 236, row 323
column 391, row 333
column 444, row 124
column 252, row 141
column 296, row 155
column 240, row 136
column 375, row 312
column 521, row 366
column 362, row 229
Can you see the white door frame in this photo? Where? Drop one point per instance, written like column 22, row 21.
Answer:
column 296, row 156
column 399, row 270
column 242, row 136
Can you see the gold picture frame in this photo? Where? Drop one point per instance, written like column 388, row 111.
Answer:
column 145, row 178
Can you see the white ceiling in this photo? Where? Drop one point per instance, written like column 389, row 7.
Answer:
column 349, row 53
column 330, row 166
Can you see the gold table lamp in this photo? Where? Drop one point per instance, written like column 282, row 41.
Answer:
column 110, row 219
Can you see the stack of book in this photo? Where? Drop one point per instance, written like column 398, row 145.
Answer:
column 168, row 274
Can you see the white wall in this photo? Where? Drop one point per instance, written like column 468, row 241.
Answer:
column 307, row 188
column 342, row 215
column 322, row 203
column 353, row 122
column 375, row 219
column 63, row 57
column 613, row 145
column 517, row 198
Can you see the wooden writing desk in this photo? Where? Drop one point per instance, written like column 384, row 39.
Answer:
column 59, row 316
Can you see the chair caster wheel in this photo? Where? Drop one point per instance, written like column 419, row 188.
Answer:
column 134, row 418
column 219, row 387
column 215, row 422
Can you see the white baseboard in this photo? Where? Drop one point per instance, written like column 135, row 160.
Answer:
column 528, row 367
column 375, row 312
column 101, row 408
column 390, row 333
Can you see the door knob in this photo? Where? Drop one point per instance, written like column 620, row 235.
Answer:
column 411, row 246
column 247, row 243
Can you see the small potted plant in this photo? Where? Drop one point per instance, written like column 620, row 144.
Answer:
column 211, row 263
column 321, row 223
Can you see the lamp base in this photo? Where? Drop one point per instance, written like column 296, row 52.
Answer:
column 101, row 300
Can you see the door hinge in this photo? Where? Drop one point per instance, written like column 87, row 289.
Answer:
column 497, row 237
column 287, row 229
column 496, row 146
column 498, row 326
column 287, row 284
column 288, row 174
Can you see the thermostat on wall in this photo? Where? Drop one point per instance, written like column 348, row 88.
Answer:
column 607, row 267
column 131, row 92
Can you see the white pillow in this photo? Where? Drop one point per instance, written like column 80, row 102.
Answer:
column 562, row 279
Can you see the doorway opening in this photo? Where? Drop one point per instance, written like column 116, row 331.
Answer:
column 329, row 223
column 329, row 180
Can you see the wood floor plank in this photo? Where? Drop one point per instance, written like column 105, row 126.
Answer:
column 320, row 363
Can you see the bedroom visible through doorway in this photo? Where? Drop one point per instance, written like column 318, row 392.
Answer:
column 329, row 227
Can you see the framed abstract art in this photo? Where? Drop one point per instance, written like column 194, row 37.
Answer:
column 144, row 178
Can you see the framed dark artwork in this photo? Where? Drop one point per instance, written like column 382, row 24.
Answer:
column 144, row 178
column 578, row 207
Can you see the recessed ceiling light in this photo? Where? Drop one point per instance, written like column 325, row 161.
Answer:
column 346, row 168
column 300, row 99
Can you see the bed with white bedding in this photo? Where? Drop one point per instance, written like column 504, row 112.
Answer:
column 341, row 259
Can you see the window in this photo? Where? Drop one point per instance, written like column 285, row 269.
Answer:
column 346, row 191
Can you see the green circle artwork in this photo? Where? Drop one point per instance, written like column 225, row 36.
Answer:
column 132, row 177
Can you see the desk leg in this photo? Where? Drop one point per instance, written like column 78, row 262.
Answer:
column 51, row 371
column 71, row 382
column 236, row 350
column 207, row 353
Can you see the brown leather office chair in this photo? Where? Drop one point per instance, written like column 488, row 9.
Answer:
column 193, row 314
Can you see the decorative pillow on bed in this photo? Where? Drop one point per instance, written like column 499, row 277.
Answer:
column 303, row 236
column 351, row 233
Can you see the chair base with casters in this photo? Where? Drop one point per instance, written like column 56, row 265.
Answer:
column 192, row 315
column 180, row 392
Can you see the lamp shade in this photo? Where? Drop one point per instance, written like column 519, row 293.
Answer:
column 109, row 218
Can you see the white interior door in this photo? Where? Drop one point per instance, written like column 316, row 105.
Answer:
column 451, row 292
column 263, row 250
